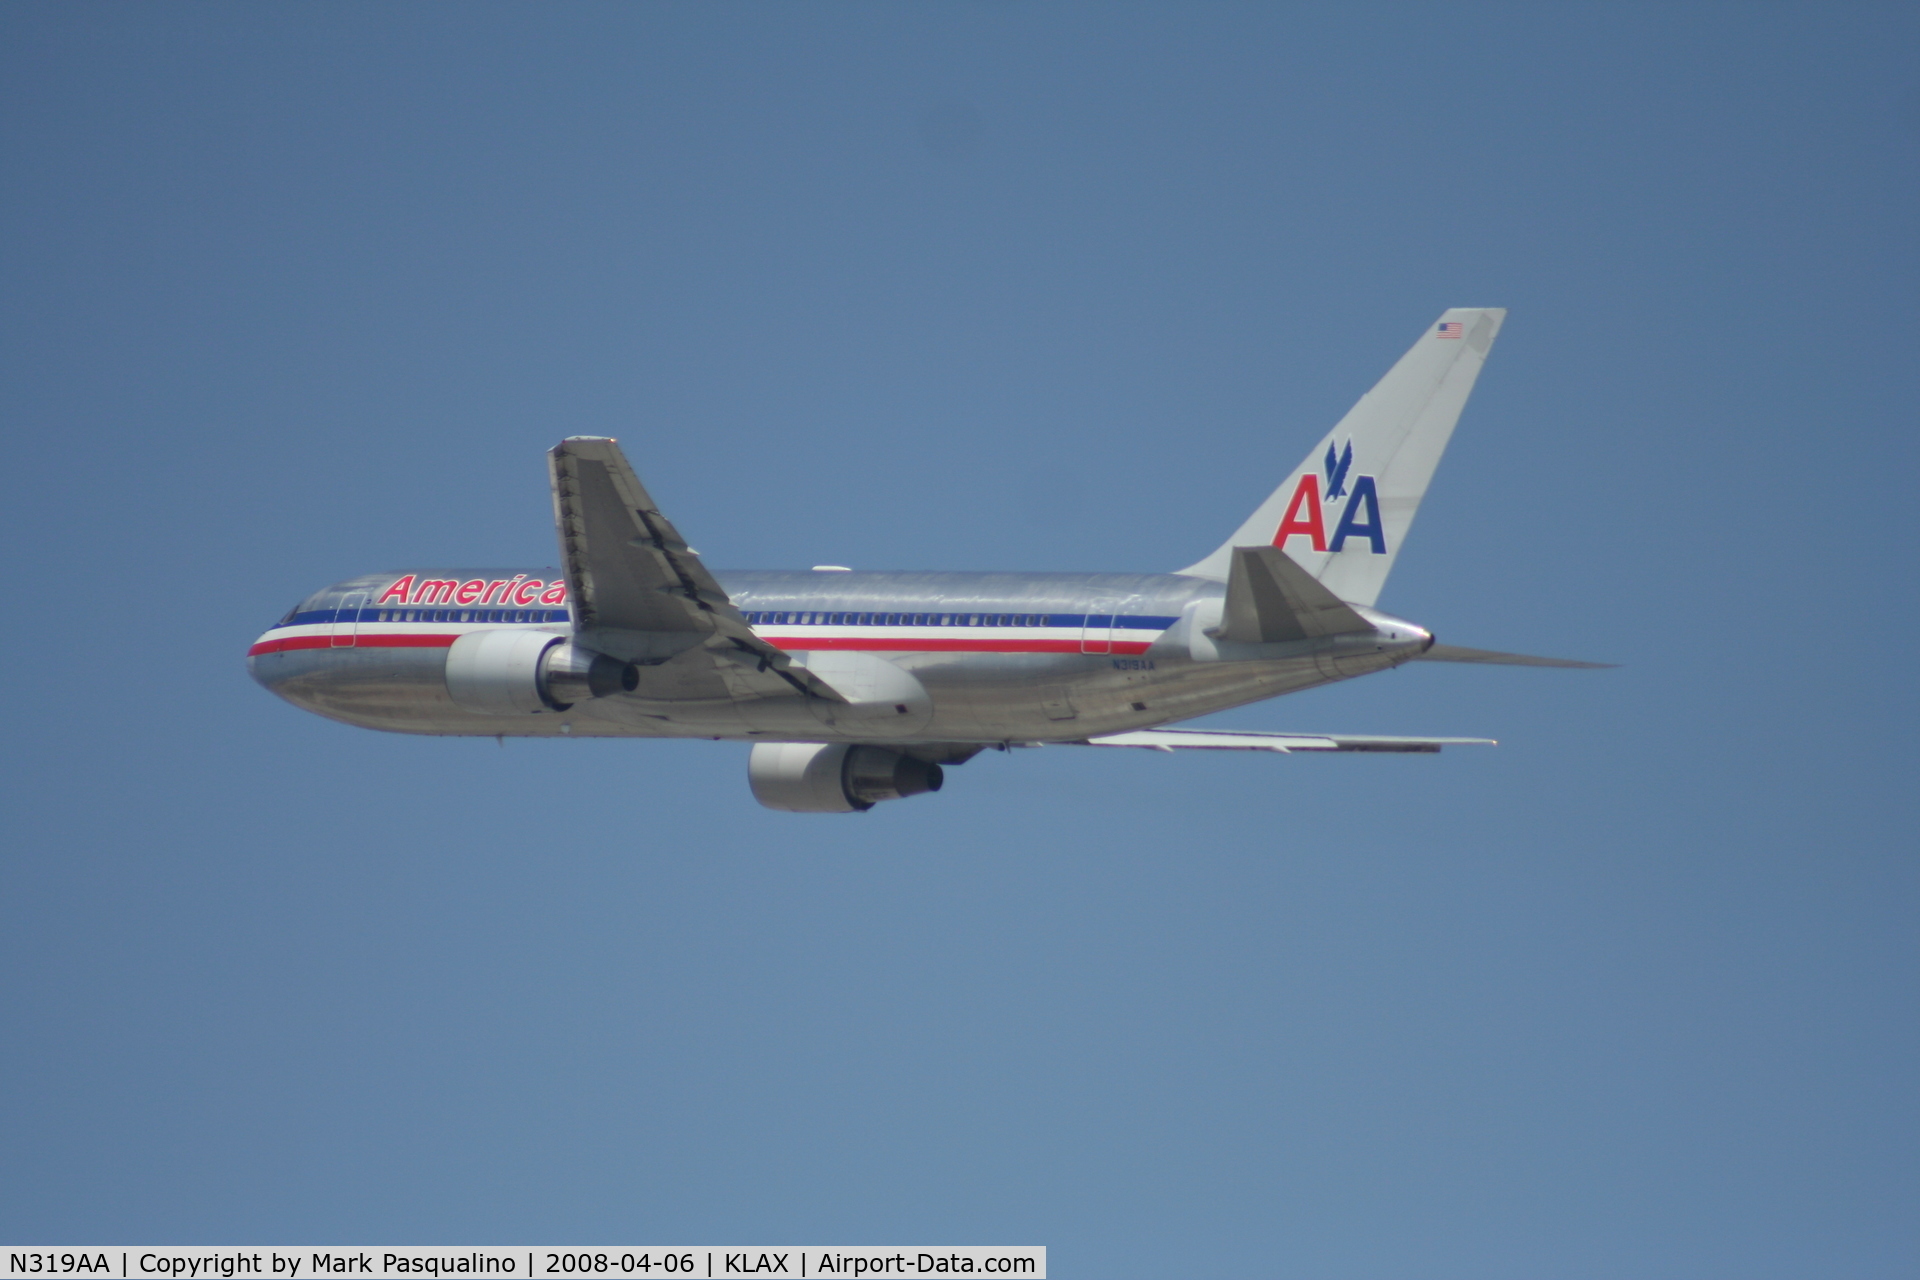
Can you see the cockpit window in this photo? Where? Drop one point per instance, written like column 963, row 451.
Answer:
column 287, row 617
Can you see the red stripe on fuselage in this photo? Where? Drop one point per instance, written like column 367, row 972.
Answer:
column 921, row 644
column 358, row 642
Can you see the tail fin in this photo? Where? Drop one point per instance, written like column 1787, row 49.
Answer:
column 1344, row 511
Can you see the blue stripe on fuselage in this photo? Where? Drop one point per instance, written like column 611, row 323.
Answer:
column 788, row 617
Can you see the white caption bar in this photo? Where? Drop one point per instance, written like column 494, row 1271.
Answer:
column 521, row 1262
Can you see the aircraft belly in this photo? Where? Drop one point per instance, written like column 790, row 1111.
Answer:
column 969, row 698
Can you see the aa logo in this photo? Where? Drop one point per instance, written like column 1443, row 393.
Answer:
column 1308, row 509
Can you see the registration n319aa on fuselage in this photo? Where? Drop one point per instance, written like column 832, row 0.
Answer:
column 857, row 687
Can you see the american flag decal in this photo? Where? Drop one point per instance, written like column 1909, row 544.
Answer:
column 1450, row 329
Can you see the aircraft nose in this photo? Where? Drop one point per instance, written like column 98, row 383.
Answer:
column 257, row 668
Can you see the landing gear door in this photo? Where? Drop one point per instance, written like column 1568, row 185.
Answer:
column 346, row 620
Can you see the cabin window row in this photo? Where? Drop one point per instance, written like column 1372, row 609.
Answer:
column 457, row 615
column 778, row 618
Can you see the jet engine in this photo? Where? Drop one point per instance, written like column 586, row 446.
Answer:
column 826, row 777
column 508, row 673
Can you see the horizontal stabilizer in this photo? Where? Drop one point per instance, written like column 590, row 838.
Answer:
column 1231, row 740
column 1454, row 653
column 1271, row 599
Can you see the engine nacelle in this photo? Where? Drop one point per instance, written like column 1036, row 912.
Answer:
column 510, row 673
column 835, row 777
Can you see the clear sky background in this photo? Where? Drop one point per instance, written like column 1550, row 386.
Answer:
column 297, row 292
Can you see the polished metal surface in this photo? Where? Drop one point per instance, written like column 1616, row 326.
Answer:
column 1163, row 667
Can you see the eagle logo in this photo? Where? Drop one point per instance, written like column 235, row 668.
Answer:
column 1337, row 465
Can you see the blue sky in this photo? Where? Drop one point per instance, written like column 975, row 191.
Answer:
column 299, row 292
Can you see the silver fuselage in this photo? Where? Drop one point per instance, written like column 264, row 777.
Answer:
column 1003, row 657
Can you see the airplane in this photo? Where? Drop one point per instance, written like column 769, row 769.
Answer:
column 860, row 687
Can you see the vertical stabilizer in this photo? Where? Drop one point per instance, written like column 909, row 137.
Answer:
column 1344, row 511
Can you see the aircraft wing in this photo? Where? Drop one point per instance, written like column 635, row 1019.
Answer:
column 1236, row 740
column 641, row 593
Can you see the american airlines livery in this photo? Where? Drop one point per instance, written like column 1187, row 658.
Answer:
column 857, row 687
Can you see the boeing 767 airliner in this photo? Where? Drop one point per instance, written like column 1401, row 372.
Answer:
column 857, row 687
